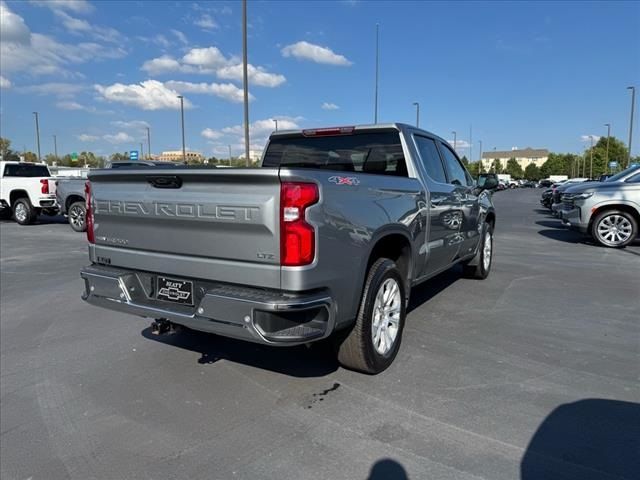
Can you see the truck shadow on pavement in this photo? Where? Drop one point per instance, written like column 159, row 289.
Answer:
column 300, row 361
column 426, row 291
column 587, row 439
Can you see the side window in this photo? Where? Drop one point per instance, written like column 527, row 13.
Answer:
column 634, row 179
column 430, row 158
column 457, row 173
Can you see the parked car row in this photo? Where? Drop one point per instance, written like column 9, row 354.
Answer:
column 608, row 210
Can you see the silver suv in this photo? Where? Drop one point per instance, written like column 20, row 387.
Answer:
column 609, row 211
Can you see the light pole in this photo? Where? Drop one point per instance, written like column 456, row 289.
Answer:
column 606, row 158
column 184, row 151
column 276, row 120
column 455, row 142
column 591, row 161
column 633, row 102
column 245, row 81
column 417, row 105
column 141, row 152
column 229, row 155
column 55, row 147
column 480, row 160
column 148, row 143
column 37, row 134
column 375, row 108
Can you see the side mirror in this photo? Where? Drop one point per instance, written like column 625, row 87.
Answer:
column 490, row 183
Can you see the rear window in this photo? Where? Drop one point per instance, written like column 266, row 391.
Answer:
column 378, row 153
column 26, row 170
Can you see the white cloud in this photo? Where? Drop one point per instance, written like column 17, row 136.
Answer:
column 257, row 75
column 147, row 95
column 158, row 39
column 71, row 105
column 262, row 127
column 206, row 58
column 460, row 144
column 160, row 65
column 227, row 91
column 587, row 138
column 308, row 51
column 4, row 82
column 37, row 54
column 329, row 106
column 59, row 89
column 12, row 27
column 83, row 137
column 206, row 22
column 211, row 134
column 76, row 6
column 120, row 137
column 132, row 124
column 78, row 26
column 180, row 36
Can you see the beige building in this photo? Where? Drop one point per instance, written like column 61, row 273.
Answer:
column 524, row 157
column 176, row 156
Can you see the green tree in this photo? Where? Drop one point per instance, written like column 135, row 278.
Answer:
column 496, row 166
column 474, row 169
column 513, row 168
column 119, row 157
column 51, row 159
column 598, row 163
column 5, row 149
column 532, row 172
column 464, row 160
column 30, row 157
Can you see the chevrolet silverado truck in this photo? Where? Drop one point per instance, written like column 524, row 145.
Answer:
column 26, row 191
column 608, row 211
column 325, row 239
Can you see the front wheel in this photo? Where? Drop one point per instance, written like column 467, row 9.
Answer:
column 23, row 211
column 77, row 216
column 480, row 266
column 614, row 228
column 374, row 341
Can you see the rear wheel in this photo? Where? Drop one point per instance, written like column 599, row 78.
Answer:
column 23, row 211
column 374, row 341
column 614, row 228
column 77, row 216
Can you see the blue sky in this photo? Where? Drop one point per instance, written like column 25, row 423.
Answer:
column 540, row 74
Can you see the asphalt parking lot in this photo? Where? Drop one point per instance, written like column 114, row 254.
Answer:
column 530, row 374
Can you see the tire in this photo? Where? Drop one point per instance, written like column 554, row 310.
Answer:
column 614, row 228
column 77, row 214
column 480, row 267
column 365, row 349
column 5, row 213
column 23, row 211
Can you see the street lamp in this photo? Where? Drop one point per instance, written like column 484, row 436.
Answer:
column 55, row 147
column 276, row 120
column 480, row 160
column 245, row 81
column 633, row 102
column 455, row 136
column 184, row 152
column 37, row 134
column 606, row 157
column 417, row 105
column 229, row 155
column 375, row 107
column 141, row 152
column 148, row 143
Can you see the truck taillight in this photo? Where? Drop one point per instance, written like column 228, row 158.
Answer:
column 44, row 186
column 89, row 213
column 297, row 237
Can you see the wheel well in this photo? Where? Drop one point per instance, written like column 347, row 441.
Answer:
column 16, row 194
column 624, row 208
column 71, row 199
column 395, row 247
column 491, row 218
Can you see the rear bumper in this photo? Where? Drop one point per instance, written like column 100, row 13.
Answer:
column 263, row 316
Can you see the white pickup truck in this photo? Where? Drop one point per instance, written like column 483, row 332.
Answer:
column 26, row 191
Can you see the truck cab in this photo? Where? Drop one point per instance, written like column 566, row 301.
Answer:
column 26, row 191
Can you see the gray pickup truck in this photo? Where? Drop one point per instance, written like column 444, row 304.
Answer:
column 325, row 239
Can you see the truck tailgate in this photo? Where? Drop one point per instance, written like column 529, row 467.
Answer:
column 215, row 224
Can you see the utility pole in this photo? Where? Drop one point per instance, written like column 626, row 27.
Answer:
column 229, row 155
column 55, row 146
column 148, row 143
column 480, row 142
column 184, row 151
column 591, row 162
column 245, row 81
column 276, row 120
column 606, row 161
column 417, row 105
column 37, row 134
column 633, row 102
column 141, row 152
column 455, row 143
column 470, row 143
column 375, row 114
